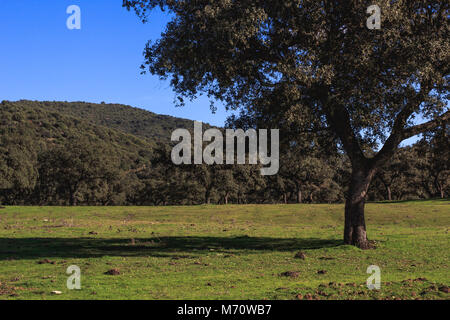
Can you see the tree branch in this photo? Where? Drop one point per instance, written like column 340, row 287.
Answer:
column 398, row 136
column 398, row 129
column 339, row 119
column 427, row 126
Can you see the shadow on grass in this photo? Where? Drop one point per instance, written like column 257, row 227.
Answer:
column 434, row 200
column 33, row 248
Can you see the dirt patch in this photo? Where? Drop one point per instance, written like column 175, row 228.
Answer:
column 300, row 255
column 113, row 272
column 308, row 296
column 290, row 274
column 420, row 280
column 6, row 290
column 45, row 261
column 371, row 244
column 444, row 289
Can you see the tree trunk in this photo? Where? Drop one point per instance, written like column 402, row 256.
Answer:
column 285, row 198
column 299, row 196
column 73, row 192
column 208, row 196
column 389, row 195
column 355, row 224
column 226, row 199
column 73, row 199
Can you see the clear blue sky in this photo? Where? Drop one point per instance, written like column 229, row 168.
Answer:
column 40, row 59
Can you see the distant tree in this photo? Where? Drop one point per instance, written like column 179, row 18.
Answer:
column 162, row 181
column 69, row 171
column 434, row 149
column 226, row 185
column 363, row 85
column 18, row 170
column 306, row 171
column 207, row 178
column 394, row 170
column 250, row 184
column 279, row 188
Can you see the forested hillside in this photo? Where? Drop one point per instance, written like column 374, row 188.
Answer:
column 136, row 121
column 49, row 156
column 78, row 153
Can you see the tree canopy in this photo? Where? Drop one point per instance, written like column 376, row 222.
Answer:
column 50, row 157
column 317, row 64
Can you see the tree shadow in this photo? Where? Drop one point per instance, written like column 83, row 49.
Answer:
column 175, row 247
column 443, row 200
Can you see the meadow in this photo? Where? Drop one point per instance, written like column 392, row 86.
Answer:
column 224, row 252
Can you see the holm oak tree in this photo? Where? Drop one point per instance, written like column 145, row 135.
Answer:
column 366, row 86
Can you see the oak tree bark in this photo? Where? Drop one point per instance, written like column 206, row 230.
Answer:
column 355, row 224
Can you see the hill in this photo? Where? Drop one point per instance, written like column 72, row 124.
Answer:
column 60, row 153
column 42, row 126
column 43, row 147
column 76, row 152
column 139, row 122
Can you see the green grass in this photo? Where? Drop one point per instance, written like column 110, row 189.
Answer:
column 223, row 252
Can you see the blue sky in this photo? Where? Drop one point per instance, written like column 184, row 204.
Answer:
column 41, row 59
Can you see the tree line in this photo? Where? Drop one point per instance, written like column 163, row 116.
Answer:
column 50, row 158
column 317, row 65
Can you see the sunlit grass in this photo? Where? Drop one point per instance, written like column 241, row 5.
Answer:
column 223, row 252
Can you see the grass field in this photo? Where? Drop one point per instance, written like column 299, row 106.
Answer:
column 223, row 252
